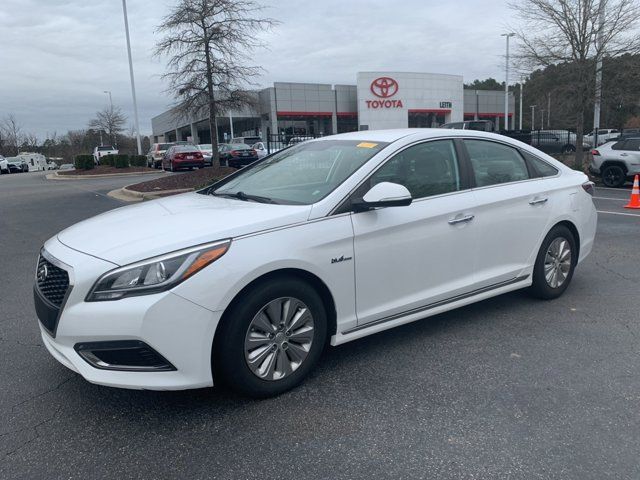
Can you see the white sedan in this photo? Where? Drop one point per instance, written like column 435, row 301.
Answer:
column 246, row 281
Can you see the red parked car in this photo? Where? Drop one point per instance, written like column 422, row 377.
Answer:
column 182, row 156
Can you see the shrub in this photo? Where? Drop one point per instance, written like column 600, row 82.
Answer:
column 121, row 161
column 84, row 162
column 138, row 160
column 108, row 160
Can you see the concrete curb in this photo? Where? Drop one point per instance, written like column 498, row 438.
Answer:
column 55, row 176
column 126, row 195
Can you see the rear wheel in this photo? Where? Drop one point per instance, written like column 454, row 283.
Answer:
column 613, row 176
column 271, row 339
column 555, row 264
column 171, row 167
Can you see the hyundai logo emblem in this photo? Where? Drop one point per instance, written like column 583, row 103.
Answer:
column 42, row 273
column 384, row 87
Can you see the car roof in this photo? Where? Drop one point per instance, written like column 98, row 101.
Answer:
column 419, row 133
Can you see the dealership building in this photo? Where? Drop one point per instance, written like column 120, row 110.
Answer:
column 378, row 100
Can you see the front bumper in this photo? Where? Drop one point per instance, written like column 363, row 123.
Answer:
column 179, row 330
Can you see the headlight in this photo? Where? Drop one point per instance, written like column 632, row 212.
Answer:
column 156, row 274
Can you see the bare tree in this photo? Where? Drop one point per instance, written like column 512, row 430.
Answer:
column 11, row 134
column 579, row 33
column 111, row 120
column 208, row 42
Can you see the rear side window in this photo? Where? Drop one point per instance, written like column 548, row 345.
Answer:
column 426, row 169
column 540, row 167
column 618, row 145
column 494, row 163
column 632, row 144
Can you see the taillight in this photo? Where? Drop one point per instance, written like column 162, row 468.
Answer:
column 595, row 152
column 234, row 153
column 178, row 156
column 254, row 153
column 589, row 188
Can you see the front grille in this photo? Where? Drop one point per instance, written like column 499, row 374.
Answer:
column 52, row 281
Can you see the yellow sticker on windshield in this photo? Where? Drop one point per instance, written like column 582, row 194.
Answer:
column 367, row 145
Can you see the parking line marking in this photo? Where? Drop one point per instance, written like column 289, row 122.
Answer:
column 619, row 213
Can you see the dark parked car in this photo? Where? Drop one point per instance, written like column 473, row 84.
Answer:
column 182, row 156
column 237, row 155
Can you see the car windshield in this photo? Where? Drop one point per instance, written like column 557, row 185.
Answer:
column 303, row 174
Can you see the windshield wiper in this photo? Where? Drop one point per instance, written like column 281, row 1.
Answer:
column 245, row 197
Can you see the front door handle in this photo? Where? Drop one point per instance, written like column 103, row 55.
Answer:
column 624, row 154
column 466, row 218
column 538, row 201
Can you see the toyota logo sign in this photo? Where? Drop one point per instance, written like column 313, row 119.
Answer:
column 384, row 87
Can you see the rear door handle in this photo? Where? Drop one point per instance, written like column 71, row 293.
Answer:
column 456, row 220
column 538, row 201
column 624, row 154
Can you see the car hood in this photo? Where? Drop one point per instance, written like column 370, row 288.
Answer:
column 136, row 232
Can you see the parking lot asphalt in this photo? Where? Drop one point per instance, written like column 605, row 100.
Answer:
column 511, row 387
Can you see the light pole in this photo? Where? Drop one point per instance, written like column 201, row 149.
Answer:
column 506, row 82
column 521, row 114
column 133, row 85
column 108, row 92
column 533, row 117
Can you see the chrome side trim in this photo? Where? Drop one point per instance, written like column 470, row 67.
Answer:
column 436, row 304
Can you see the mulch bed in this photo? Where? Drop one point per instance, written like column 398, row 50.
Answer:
column 105, row 170
column 195, row 179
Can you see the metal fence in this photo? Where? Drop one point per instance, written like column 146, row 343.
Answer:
column 278, row 141
column 563, row 141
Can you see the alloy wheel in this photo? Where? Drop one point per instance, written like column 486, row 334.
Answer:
column 557, row 262
column 279, row 338
column 613, row 176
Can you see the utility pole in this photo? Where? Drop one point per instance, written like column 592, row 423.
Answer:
column 599, row 53
column 541, row 119
column 549, row 110
column 133, row 85
column 506, row 82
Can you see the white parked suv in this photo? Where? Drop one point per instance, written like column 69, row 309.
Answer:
column 615, row 162
column 247, row 280
column 4, row 165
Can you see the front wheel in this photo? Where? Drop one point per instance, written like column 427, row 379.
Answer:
column 271, row 339
column 613, row 176
column 555, row 263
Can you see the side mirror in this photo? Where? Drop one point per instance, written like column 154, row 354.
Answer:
column 384, row 194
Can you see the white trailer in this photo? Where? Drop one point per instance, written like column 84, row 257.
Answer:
column 36, row 161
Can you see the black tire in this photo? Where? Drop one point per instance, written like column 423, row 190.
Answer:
column 613, row 176
column 540, row 287
column 228, row 359
column 568, row 149
column 171, row 168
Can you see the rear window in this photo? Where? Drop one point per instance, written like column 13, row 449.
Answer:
column 541, row 168
column 164, row 146
column 105, row 148
column 185, row 148
column 239, row 146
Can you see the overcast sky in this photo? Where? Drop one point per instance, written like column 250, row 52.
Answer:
column 58, row 56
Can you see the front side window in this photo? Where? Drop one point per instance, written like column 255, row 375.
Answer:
column 495, row 163
column 303, row 174
column 426, row 169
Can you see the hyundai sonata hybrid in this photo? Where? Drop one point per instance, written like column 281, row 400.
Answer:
column 244, row 282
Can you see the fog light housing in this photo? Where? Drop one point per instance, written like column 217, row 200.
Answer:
column 123, row 355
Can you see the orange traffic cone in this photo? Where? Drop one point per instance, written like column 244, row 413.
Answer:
column 634, row 202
